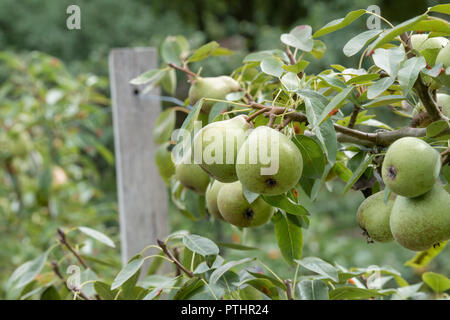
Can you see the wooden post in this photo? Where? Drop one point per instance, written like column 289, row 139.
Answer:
column 143, row 196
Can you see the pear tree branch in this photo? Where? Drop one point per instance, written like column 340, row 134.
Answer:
column 174, row 260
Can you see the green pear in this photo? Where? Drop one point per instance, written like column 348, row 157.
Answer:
column 211, row 198
column 219, row 143
column 421, row 222
column 268, row 162
column 236, row 210
column 410, row 167
column 211, row 87
column 444, row 56
column 163, row 159
column 373, row 217
column 422, row 42
column 191, row 175
column 443, row 100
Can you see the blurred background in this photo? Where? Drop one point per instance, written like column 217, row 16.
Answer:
column 56, row 142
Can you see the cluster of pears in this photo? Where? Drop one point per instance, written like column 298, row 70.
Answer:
column 417, row 216
column 226, row 149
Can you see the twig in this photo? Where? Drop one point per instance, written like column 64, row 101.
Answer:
column 445, row 156
column 60, row 276
column 288, row 284
column 176, row 255
column 63, row 240
column 290, row 56
column 174, row 260
column 354, row 116
column 257, row 113
column 191, row 75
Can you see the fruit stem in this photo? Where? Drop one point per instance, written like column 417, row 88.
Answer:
column 288, row 284
column 191, row 75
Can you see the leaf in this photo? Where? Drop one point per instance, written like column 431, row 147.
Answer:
column 320, row 267
column 165, row 124
column 364, row 78
column 169, row 81
column 335, row 103
column 236, row 246
column 339, row 23
column 286, row 204
column 290, row 81
column 261, row 55
column 359, row 172
column 272, row 66
column 353, row 293
column 436, row 127
column 97, row 235
column 149, row 76
column 31, row 270
column 173, row 49
column 200, row 245
column 389, row 59
column 355, row 44
column 50, row 294
column 318, row 49
column 104, row 290
column 437, row 282
column 299, row 38
column 188, row 289
column 235, row 96
column 423, row 258
column 327, row 135
column 379, row 87
column 128, row 271
column 312, row 154
column 441, row 8
column 409, row 72
column 313, row 290
column 289, row 237
column 203, row 52
column 384, row 101
column 219, row 272
column 392, row 33
column 265, row 286
column 296, row 68
column 216, row 110
column 433, row 24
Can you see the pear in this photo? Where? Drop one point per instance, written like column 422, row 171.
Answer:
column 268, row 162
column 373, row 217
column 211, row 87
column 191, row 175
column 163, row 160
column 236, row 210
column 444, row 56
column 219, row 143
column 211, row 198
column 421, row 222
column 443, row 100
column 422, row 42
column 410, row 167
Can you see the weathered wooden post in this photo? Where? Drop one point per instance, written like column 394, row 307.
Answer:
column 143, row 198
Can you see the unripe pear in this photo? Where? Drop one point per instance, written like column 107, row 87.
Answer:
column 268, row 162
column 444, row 56
column 191, row 175
column 236, row 210
column 211, row 87
column 373, row 217
column 163, row 160
column 421, row 222
column 211, row 198
column 219, row 143
column 422, row 42
column 443, row 100
column 410, row 167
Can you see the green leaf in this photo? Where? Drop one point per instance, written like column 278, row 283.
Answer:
column 436, row 127
column 235, row 96
column 203, row 52
column 433, row 24
column 353, row 293
column 392, row 33
column 335, row 103
column 275, row 281
column 313, row 290
column 128, row 271
column 384, row 101
column 296, row 68
column 318, row 49
column 436, row 281
column 29, row 272
column 364, row 78
column 173, row 49
column 327, row 135
column 312, row 154
column 409, row 72
column 272, row 66
column 50, row 294
column 441, row 8
column 189, row 288
column 299, row 38
column 359, row 172
column 149, row 76
column 389, row 59
column 379, row 87
column 320, row 267
column 355, row 44
column 423, row 258
column 342, row 171
column 97, row 235
column 219, row 272
column 265, row 286
column 261, row 55
column 289, row 237
column 169, row 81
column 286, row 204
column 200, row 245
column 339, row 23
column 216, row 110
column 164, row 126
column 236, row 246
column 290, row 81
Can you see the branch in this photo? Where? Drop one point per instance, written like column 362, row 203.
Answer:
column 354, row 116
column 288, row 284
column 169, row 254
column 63, row 240
column 445, row 156
column 191, row 75
column 60, row 276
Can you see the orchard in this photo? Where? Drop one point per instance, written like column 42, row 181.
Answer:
column 254, row 146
